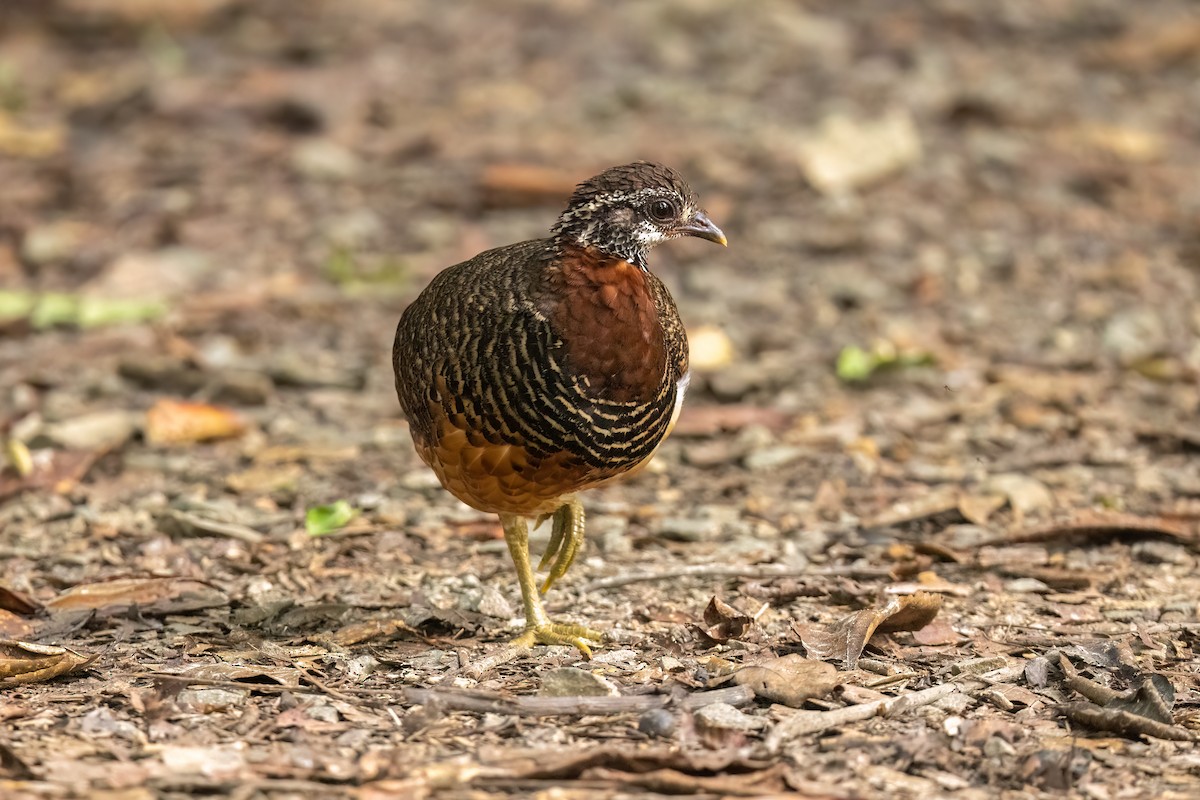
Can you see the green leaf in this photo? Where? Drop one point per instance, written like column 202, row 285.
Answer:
column 855, row 364
column 321, row 520
column 57, row 308
column 15, row 305
column 95, row 312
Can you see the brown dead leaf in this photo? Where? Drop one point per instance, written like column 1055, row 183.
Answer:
column 372, row 629
column 937, row 501
column 54, row 470
column 13, row 767
column 790, row 679
column 1148, row 50
column 912, row 613
column 1098, row 524
column 24, row 662
column 937, row 632
column 238, row 673
column 518, row 185
column 722, row 622
column 180, row 422
column 16, row 602
column 152, row 596
column 713, row 420
column 978, row 508
column 846, row 638
column 1125, row 723
column 13, row 626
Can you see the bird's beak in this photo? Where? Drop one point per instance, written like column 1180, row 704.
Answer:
column 703, row 227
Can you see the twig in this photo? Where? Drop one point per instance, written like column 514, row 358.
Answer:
column 727, row 571
column 806, row 722
column 487, row 702
column 476, row 669
column 491, row 703
column 191, row 523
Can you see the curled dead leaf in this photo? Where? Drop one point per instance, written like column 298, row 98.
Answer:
column 16, row 602
column 179, row 422
column 846, row 638
column 25, row 662
column 790, row 679
column 152, row 596
column 722, row 622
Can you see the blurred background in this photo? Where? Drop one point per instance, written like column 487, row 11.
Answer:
column 964, row 244
column 960, row 297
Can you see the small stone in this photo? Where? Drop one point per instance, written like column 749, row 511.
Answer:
column 575, row 682
column 1154, row 552
column 623, row 658
column 322, row 712
column 774, row 457
column 360, row 668
column 99, row 430
column 723, row 715
column 688, row 529
column 208, row 701
column 1135, row 335
column 494, row 604
column 658, row 722
column 737, row 380
column 846, row 154
column 1026, row 586
column 54, row 241
column 355, row 229
column 1026, row 495
column 710, row 348
column 322, row 159
column 997, row 747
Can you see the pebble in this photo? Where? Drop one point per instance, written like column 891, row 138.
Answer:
column 1026, row 586
column 1026, row 495
column 54, row 241
column 99, row 430
column 208, row 701
column 773, row 457
column 658, row 722
column 493, row 604
column 1135, row 335
column 1154, row 552
column 723, row 715
column 575, row 682
column 845, row 154
column 324, row 160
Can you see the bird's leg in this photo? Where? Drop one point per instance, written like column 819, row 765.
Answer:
column 538, row 627
column 565, row 539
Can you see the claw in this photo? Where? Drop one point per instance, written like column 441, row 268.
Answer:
column 565, row 539
column 556, row 633
column 556, row 540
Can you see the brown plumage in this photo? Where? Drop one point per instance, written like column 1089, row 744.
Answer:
column 536, row 370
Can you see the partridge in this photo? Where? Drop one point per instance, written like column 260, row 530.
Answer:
column 533, row 371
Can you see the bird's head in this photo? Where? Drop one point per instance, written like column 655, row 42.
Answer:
column 626, row 210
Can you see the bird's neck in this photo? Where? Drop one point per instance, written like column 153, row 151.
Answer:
column 603, row 309
column 589, row 235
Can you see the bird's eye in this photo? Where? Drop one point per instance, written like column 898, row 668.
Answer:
column 662, row 211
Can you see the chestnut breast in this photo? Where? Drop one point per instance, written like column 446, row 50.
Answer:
column 614, row 320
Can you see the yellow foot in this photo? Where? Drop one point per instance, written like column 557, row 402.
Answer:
column 554, row 633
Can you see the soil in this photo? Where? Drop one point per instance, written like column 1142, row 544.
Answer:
column 939, row 454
